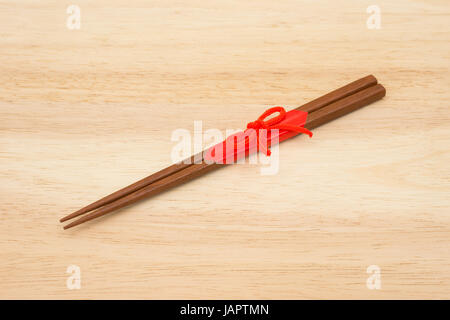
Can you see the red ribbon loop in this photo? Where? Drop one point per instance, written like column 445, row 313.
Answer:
column 273, row 123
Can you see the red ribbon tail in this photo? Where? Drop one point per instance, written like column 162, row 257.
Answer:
column 297, row 129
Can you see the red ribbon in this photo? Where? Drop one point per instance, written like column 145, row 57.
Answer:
column 289, row 124
column 273, row 123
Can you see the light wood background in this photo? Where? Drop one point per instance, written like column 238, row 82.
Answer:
column 85, row 112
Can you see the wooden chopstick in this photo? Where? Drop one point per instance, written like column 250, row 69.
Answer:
column 315, row 119
column 132, row 188
column 309, row 107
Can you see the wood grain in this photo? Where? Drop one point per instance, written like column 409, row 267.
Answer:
column 101, row 103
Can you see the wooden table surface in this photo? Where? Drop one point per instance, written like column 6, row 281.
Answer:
column 85, row 112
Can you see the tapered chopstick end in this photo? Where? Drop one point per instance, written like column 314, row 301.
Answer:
column 70, row 225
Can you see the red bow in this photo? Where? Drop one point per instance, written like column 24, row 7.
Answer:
column 273, row 123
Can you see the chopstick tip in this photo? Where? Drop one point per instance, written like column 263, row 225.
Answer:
column 72, row 224
column 67, row 227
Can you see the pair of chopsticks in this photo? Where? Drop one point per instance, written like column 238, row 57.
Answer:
column 331, row 106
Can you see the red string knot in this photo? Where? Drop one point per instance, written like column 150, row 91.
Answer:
column 273, row 123
column 258, row 124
